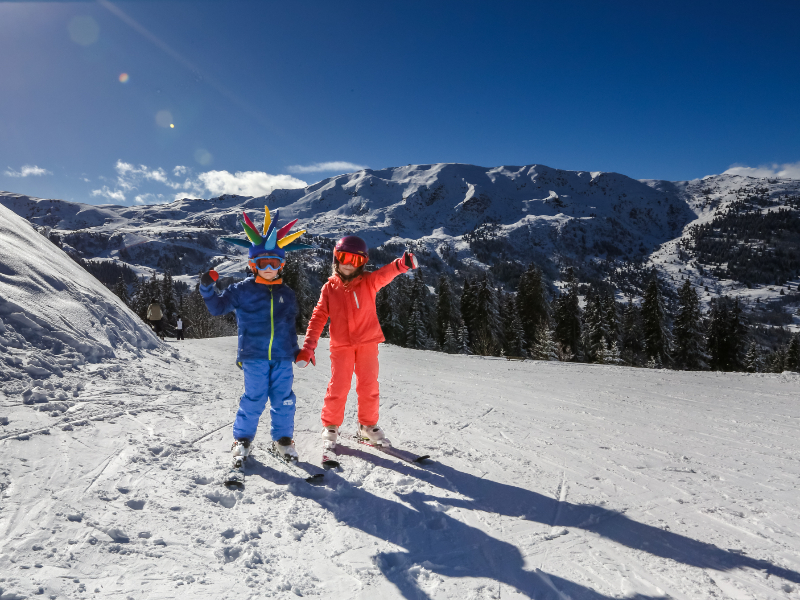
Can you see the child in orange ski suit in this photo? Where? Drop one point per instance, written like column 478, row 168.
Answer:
column 348, row 298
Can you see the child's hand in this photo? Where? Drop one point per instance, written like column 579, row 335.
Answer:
column 209, row 278
column 410, row 261
column 304, row 357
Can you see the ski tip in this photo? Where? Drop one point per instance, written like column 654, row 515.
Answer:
column 316, row 478
column 234, row 484
column 330, row 464
column 420, row 459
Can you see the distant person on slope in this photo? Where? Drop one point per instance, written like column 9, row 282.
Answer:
column 179, row 328
column 348, row 298
column 265, row 314
column 154, row 315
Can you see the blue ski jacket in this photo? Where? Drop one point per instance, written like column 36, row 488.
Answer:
column 265, row 315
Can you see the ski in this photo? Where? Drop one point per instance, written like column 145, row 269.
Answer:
column 295, row 467
column 392, row 451
column 235, row 475
column 330, row 460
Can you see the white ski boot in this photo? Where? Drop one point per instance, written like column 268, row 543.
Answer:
column 330, row 433
column 374, row 434
column 241, row 448
column 284, row 448
column 240, row 451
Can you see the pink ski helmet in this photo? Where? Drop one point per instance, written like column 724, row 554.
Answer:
column 352, row 244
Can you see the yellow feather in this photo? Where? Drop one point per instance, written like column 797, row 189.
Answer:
column 290, row 238
column 267, row 220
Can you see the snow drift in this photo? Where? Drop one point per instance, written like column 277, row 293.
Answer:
column 54, row 315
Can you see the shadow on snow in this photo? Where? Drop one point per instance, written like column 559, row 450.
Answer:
column 430, row 537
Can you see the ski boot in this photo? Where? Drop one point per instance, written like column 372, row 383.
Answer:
column 330, row 433
column 284, row 448
column 374, row 435
column 240, row 451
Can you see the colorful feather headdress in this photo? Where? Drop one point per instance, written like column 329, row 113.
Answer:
column 271, row 240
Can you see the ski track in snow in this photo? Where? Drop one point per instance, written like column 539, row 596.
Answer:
column 548, row 480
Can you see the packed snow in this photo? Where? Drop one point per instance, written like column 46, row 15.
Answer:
column 54, row 316
column 547, row 480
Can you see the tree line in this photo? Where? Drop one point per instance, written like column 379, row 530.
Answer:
column 532, row 321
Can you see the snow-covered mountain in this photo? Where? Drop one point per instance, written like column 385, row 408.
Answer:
column 453, row 215
column 54, row 316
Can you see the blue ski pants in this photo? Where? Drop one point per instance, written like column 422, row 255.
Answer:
column 266, row 380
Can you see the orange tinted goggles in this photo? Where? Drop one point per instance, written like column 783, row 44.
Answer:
column 348, row 258
column 267, row 262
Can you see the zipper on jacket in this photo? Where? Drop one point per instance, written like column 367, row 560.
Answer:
column 271, row 322
column 356, row 297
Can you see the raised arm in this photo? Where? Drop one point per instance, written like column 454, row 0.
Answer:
column 218, row 304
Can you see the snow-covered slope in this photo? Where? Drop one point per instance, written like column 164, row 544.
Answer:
column 54, row 316
column 549, row 481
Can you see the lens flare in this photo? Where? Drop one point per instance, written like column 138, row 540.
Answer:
column 83, row 30
column 123, row 77
column 164, row 118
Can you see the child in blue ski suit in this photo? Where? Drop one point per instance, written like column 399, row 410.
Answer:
column 265, row 314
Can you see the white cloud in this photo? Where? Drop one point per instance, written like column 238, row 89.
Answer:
column 151, row 199
column 247, row 183
column 117, row 195
column 28, row 171
column 326, row 167
column 131, row 178
column 786, row 170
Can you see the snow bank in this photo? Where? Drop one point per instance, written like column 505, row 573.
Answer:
column 54, row 316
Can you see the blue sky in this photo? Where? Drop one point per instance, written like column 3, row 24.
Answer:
column 245, row 96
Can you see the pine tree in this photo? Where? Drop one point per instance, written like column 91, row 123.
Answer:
column 392, row 306
column 601, row 354
column 121, row 291
column 141, row 298
column 688, row 330
column 450, row 344
column 545, row 346
column 612, row 355
column 167, row 293
column 447, row 314
column 594, row 333
column 517, row 344
column 776, row 361
column 726, row 334
column 792, row 358
column 488, row 328
column 424, row 305
column 294, row 276
column 463, row 340
column 752, row 360
column 632, row 351
column 568, row 316
column 532, row 305
column 654, row 323
column 417, row 335
column 610, row 319
column 468, row 308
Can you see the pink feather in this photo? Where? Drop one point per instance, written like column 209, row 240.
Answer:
column 285, row 229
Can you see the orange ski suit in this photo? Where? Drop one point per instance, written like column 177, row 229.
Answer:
column 355, row 335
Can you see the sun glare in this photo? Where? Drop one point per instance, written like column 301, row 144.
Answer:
column 123, row 77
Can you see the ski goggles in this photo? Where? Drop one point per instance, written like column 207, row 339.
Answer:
column 350, row 258
column 273, row 263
